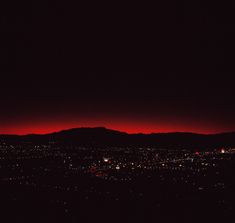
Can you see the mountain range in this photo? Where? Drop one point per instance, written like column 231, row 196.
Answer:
column 103, row 137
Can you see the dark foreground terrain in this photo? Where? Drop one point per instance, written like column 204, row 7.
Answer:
column 52, row 183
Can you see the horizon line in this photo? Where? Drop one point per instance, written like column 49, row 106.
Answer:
column 87, row 127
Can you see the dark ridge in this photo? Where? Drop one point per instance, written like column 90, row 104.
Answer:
column 102, row 137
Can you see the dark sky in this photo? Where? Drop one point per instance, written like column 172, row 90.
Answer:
column 129, row 67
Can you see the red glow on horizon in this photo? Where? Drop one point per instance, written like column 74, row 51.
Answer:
column 125, row 126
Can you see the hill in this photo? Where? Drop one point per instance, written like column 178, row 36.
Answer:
column 100, row 137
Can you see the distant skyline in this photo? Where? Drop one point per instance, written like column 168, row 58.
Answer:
column 142, row 103
column 125, row 126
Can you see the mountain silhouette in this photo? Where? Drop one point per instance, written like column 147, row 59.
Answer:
column 103, row 137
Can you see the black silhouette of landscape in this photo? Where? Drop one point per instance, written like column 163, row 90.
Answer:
column 103, row 175
column 102, row 136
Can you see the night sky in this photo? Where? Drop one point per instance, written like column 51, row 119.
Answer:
column 132, row 68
